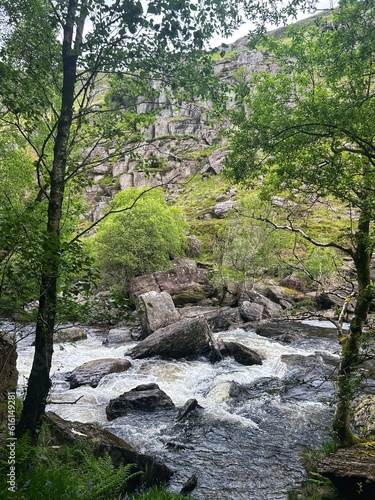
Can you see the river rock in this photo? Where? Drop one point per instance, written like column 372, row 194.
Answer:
column 185, row 282
column 243, row 354
column 9, row 374
column 270, row 308
column 185, row 338
column 158, row 311
column 146, row 397
column 103, row 441
column 119, row 335
column 69, row 335
column 92, row 372
column 251, row 311
column 352, row 471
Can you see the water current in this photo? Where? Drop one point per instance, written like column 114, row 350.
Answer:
column 246, row 440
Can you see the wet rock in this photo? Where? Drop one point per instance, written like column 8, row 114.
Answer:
column 190, row 485
column 188, row 407
column 102, row 441
column 145, row 397
column 271, row 386
column 224, row 318
column 243, row 354
column 159, row 311
column 185, row 338
column 92, row 372
column 352, row 471
column 69, row 335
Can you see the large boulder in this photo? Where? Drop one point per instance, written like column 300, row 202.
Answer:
column 92, row 372
column 251, row 311
column 243, row 354
column 158, row 311
column 186, row 282
column 146, row 397
column 102, row 441
column 9, row 375
column 185, row 338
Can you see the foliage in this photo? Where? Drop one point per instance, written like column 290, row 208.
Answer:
column 306, row 130
column 133, row 242
column 63, row 472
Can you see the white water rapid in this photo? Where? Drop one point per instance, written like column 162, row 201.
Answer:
column 255, row 421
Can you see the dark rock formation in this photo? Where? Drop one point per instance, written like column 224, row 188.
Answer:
column 92, row 372
column 352, row 471
column 146, row 397
column 185, row 338
column 243, row 354
column 102, row 441
column 189, row 485
column 158, row 311
column 188, row 407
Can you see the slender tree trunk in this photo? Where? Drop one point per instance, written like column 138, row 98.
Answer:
column 39, row 381
column 351, row 342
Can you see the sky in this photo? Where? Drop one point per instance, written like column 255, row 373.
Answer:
column 243, row 31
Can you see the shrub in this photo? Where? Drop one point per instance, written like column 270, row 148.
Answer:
column 139, row 239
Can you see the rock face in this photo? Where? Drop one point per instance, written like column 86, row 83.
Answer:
column 9, row 374
column 92, row 372
column 158, row 311
column 352, row 471
column 147, row 397
column 185, row 338
column 186, row 283
column 243, row 354
column 64, row 431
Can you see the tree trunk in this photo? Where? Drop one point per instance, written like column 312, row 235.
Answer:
column 39, row 382
column 351, row 342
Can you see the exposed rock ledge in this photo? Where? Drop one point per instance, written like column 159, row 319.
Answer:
column 103, row 441
column 352, row 471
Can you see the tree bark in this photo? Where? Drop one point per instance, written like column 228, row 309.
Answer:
column 39, row 382
column 351, row 342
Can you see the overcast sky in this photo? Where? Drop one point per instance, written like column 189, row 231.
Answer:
column 243, row 31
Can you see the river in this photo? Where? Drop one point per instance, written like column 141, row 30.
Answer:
column 246, row 440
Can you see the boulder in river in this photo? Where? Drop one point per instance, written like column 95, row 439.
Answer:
column 103, row 441
column 158, row 311
column 69, row 335
column 145, row 397
column 185, row 338
column 243, row 354
column 92, row 372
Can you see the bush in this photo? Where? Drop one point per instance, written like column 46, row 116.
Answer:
column 139, row 239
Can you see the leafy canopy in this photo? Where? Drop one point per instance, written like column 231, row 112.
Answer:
column 309, row 126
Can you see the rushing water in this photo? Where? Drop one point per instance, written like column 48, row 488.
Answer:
column 246, row 440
